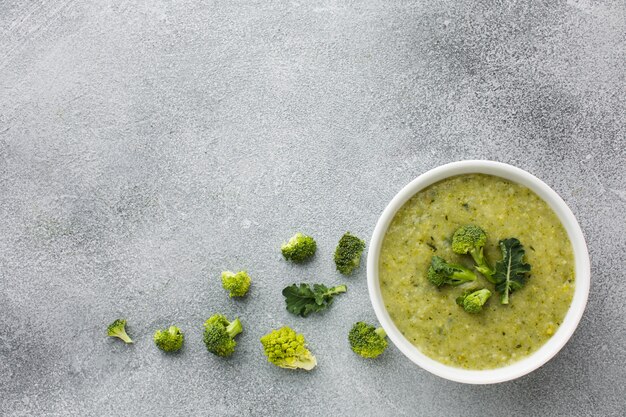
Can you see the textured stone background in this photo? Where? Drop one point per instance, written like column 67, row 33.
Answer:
column 147, row 145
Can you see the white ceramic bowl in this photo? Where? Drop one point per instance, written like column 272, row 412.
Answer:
column 582, row 270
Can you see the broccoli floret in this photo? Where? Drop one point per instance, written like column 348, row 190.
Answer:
column 299, row 248
column 287, row 349
column 219, row 334
column 118, row 329
column 366, row 340
column 472, row 239
column 441, row 273
column 474, row 300
column 348, row 253
column 169, row 340
column 236, row 284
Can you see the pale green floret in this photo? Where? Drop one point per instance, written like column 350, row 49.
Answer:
column 219, row 335
column 299, row 248
column 472, row 239
column 366, row 340
column 473, row 301
column 169, row 340
column 287, row 349
column 236, row 284
column 118, row 329
column 440, row 273
column 348, row 253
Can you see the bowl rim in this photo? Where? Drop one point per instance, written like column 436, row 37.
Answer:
column 581, row 260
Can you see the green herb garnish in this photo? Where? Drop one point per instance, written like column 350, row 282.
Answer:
column 510, row 272
column 303, row 299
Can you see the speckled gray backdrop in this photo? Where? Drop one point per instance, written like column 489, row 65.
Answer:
column 147, row 145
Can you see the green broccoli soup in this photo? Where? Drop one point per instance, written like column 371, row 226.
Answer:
column 431, row 312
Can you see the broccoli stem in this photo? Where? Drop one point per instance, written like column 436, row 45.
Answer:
column 487, row 272
column 464, row 274
column 234, row 328
column 122, row 335
column 337, row 290
column 481, row 264
column 381, row 332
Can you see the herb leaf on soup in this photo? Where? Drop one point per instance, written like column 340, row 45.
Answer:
column 510, row 272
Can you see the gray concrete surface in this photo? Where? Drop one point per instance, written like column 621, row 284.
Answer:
column 147, row 145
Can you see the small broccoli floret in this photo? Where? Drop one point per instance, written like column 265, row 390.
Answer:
column 169, row 340
column 219, row 334
column 118, row 329
column 441, row 273
column 287, row 349
column 366, row 340
column 299, row 248
column 472, row 239
column 236, row 284
column 474, row 300
column 348, row 253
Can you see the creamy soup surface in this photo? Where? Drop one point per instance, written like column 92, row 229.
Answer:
column 429, row 317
